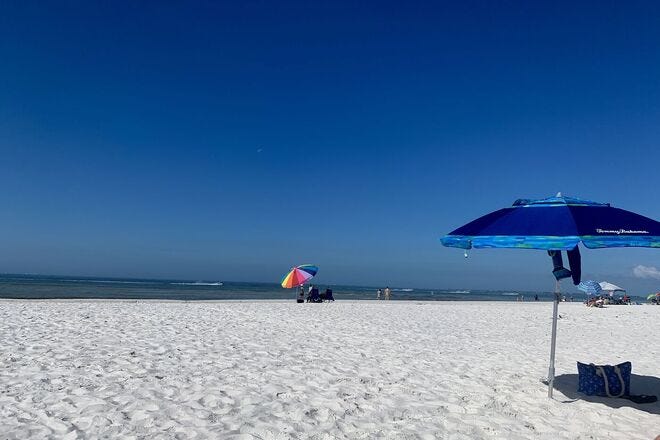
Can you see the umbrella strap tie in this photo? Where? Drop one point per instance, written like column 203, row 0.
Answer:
column 600, row 371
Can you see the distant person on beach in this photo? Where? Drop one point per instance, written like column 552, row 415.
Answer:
column 301, row 294
column 314, row 295
column 536, row 297
column 388, row 294
column 378, row 293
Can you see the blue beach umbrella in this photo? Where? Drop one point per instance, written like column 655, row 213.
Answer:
column 557, row 224
column 590, row 287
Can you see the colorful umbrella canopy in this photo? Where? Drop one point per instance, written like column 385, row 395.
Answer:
column 591, row 287
column 653, row 295
column 299, row 275
column 556, row 224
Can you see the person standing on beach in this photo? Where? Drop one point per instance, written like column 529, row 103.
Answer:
column 301, row 294
column 388, row 293
column 378, row 293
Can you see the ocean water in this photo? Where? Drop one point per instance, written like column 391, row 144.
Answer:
column 42, row 287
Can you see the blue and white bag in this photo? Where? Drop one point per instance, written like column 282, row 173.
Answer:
column 604, row 380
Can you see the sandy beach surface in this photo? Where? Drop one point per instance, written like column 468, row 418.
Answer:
column 279, row 370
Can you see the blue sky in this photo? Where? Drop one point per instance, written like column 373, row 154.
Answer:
column 230, row 140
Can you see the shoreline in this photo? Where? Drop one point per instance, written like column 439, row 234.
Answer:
column 293, row 301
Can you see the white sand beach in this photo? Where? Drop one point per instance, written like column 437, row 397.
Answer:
column 279, row 370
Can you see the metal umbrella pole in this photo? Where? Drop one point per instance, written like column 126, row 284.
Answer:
column 553, row 343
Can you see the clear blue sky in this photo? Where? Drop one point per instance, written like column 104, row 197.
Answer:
column 230, row 140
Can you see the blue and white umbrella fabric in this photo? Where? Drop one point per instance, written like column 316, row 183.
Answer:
column 590, row 287
column 557, row 224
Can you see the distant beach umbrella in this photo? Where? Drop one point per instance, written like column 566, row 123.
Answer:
column 299, row 275
column 610, row 288
column 557, row 224
column 590, row 287
column 653, row 295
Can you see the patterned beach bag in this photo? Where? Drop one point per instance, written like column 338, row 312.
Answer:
column 604, row 380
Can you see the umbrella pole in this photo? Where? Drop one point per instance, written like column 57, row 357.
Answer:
column 553, row 343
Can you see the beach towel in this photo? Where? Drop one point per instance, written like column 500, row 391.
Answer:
column 575, row 263
column 559, row 271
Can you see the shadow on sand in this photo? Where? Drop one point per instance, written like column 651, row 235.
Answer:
column 649, row 385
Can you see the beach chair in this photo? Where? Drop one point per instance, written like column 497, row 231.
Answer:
column 314, row 296
column 328, row 295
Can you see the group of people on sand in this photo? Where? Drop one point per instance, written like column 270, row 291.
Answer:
column 604, row 300
column 385, row 294
column 313, row 294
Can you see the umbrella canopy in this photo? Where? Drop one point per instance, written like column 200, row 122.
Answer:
column 609, row 287
column 556, row 224
column 299, row 275
column 653, row 295
column 591, row 287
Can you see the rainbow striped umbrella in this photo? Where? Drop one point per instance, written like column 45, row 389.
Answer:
column 299, row 275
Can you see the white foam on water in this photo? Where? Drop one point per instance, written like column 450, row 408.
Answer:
column 102, row 281
column 198, row 283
